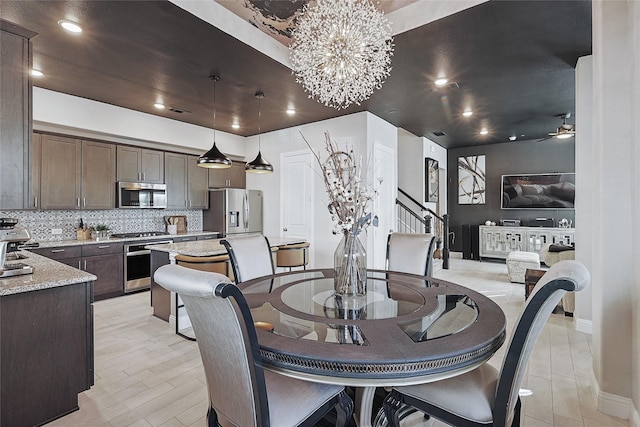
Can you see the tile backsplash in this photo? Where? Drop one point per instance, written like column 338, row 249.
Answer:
column 41, row 223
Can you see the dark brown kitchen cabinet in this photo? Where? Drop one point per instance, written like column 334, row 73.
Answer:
column 76, row 174
column 46, row 353
column 140, row 165
column 186, row 182
column 105, row 260
column 197, row 184
column 15, row 116
column 233, row 177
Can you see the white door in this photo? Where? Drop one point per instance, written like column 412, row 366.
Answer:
column 385, row 181
column 296, row 184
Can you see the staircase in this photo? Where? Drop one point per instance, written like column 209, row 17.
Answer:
column 419, row 220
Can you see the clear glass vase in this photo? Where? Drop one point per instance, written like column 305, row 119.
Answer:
column 350, row 266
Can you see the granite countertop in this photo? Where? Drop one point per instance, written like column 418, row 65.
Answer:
column 56, row 243
column 212, row 247
column 47, row 273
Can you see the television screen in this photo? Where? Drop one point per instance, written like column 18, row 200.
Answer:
column 539, row 191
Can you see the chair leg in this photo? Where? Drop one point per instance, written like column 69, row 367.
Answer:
column 344, row 410
column 212, row 418
column 516, row 414
column 392, row 405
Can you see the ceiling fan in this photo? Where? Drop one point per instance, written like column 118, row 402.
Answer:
column 565, row 130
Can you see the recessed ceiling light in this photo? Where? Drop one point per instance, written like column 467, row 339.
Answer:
column 467, row 113
column 525, row 392
column 36, row 73
column 484, row 131
column 291, row 111
column 512, row 138
column 235, row 126
column 441, row 81
column 159, row 105
column 70, row 26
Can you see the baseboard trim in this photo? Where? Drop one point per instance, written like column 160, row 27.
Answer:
column 612, row 404
column 457, row 255
column 635, row 418
column 584, row 326
column 172, row 321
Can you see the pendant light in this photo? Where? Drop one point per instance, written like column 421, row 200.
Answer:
column 214, row 159
column 259, row 165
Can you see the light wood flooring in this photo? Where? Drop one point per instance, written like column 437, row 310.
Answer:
column 145, row 375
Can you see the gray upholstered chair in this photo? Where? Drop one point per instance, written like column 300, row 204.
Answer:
column 241, row 392
column 410, row 253
column 486, row 396
column 250, row 256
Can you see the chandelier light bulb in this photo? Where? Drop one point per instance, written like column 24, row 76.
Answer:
column 342, row 63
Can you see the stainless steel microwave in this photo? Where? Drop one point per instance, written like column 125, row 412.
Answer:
column 137, row 195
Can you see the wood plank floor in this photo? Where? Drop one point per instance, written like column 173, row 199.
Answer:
column 148, row 376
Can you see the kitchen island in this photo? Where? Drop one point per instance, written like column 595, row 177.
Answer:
column 164, row 303
column 46, row 341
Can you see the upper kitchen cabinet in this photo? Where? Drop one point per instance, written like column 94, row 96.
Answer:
column 197, row 184
column 140, row 165
column 76, row 174
column 186, row 182
column 233, row 177
column 15, row 116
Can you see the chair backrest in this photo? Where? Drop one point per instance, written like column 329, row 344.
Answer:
column 410, row 253
column 227, row 341
column 250, row 256
column 562, row 277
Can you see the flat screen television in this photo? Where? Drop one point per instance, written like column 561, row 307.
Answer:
column 539, row 191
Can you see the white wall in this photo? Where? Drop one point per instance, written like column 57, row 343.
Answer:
column 634, row 25
column 411, row 164
column 362, row 130
column 59, row 112
column 583, row 314
column 615, row 194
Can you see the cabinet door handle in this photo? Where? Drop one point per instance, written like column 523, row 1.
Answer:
column 55, row 251
column 84, row 202
column 85, row 265
column 78, row 201
column 35, row 202
column 104, row 247
column 79, row 267
column 144, row 176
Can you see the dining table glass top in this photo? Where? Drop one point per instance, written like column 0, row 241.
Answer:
column 309, row 309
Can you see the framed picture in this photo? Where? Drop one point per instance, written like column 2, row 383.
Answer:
column 431, row 184
column 471, row 180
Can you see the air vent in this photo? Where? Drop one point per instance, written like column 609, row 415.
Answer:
column 438, row 133
column 453, row 85
column 178, row 110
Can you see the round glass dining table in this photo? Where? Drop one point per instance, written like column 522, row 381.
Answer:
column 407, row 329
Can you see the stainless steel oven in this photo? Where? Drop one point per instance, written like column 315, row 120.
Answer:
column 137, row 265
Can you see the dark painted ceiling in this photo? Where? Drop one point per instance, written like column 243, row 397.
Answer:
column 512, row 62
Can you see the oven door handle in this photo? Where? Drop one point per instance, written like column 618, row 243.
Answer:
column 138, row 253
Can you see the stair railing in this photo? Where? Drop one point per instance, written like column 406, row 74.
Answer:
column 411, row 222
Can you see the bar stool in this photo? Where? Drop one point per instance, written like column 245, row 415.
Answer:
column 216, row 263
column 295, row 255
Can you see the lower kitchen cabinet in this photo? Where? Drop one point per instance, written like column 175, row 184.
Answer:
column 104, row 260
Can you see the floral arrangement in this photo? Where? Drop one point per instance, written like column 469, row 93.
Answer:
column 349, row 195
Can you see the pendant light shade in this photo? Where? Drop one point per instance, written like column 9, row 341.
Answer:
column 259, row 165
column 214, row 158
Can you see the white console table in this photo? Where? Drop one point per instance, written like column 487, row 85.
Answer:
column 498, row 241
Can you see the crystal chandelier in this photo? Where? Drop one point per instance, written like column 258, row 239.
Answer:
column 341, row 51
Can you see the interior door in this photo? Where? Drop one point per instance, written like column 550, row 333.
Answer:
column 296, row 184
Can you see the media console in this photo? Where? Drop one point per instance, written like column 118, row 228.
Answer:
column 498, row 241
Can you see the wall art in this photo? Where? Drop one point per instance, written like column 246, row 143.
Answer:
column 471, row 180
column 431, row 185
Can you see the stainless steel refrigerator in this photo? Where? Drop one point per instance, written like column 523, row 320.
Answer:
column 233, row 211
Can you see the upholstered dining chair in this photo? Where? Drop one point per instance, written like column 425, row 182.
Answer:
column 410, row 253
column 241, row 392
column 486, row 396
column 250, row 256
